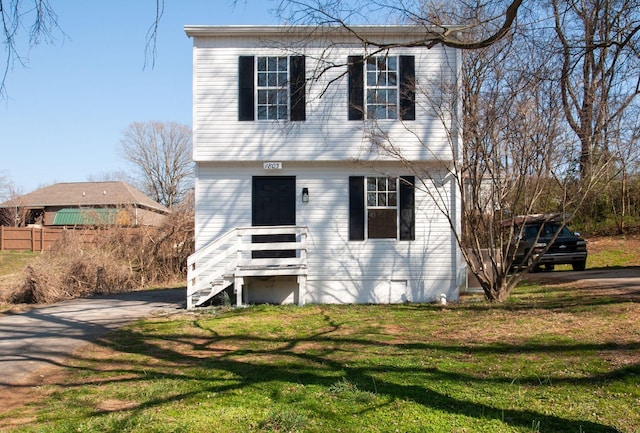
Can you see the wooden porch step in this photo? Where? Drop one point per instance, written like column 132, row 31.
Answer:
column 216, row 286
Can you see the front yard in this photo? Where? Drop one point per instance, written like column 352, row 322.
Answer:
column 544, row 361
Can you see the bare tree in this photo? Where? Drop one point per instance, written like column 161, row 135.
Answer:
column 36, row 19
column 599, row 47
column 110, row 176
column 516, row 159
column 13, row 215
column 5, row 187
column 521, row 155
column 26, row 24
column 489, row 20
column 161, row 154
column 519, row 160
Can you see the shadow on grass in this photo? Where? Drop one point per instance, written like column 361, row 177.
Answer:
column 246, row 360
column 214, row 363
column 558, row 295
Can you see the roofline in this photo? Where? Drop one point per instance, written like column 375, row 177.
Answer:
column 165, row 210
column 271, row 30
column 17, row 202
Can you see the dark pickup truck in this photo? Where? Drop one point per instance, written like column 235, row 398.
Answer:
column 567, row 249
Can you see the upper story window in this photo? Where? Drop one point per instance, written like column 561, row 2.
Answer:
column 271, row 88
column 382, row 87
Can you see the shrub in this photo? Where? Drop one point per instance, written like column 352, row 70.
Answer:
column 109, row 260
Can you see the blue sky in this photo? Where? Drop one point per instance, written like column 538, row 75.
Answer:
column 65, row 112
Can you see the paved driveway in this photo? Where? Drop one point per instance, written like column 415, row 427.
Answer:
column 627, row 279
column 47, row 335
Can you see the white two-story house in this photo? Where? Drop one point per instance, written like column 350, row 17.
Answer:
column 323, row 165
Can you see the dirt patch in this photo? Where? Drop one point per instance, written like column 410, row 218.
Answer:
column 34, row 390
column 113, row 405
column 607, row 288
column 600, row 244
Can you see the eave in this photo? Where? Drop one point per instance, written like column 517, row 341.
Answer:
column 359, row 31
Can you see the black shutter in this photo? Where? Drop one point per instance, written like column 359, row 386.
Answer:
column 407, row 88
column 297, row 88
column 245, row 88
column 356, row 87
column 356, row 208
column 407, row 208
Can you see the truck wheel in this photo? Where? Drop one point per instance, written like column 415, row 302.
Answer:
column 579, row 266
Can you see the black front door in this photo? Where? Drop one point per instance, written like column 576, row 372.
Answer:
column 274, row 204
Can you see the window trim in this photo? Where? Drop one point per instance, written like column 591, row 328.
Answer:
column 277, row 88
column 388, row 105
column 389, row 181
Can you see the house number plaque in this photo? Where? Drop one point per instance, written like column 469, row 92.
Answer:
column 272, row 165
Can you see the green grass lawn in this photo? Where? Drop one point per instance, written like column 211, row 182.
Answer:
column 14, row 261
column 614, row 258
column 544, row 361
column 610, row 252
column 12, row 265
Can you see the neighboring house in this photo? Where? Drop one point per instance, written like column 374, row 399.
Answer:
column 298, row 199
column 86, row 204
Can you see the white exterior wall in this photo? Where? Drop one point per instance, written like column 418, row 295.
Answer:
column 326, row 135
column 322, row 152
column 339, row 270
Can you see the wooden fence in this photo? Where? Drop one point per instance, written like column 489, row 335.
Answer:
column 28, row 238
column 40, row 239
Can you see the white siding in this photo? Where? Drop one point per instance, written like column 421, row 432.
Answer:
column 339, row 270
column 327, row 134
column 223, row 202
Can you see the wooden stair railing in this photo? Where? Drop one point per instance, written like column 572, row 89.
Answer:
column 230, row 258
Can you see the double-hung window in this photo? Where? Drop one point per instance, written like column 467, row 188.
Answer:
column 271, row 88
column 273, row 92
column 381, row 87
column 381, row 207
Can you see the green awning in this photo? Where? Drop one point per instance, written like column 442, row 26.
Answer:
column 76, row 217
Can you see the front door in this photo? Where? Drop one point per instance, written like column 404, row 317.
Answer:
column 274, row 204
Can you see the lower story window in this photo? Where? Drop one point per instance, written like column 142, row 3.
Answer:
column 381, row 207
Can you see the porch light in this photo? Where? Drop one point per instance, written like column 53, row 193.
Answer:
column 305, row 195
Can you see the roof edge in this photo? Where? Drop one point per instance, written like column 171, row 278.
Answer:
column 270, row 30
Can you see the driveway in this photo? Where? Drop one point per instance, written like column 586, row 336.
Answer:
column 47, row 335
column 625, row 279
